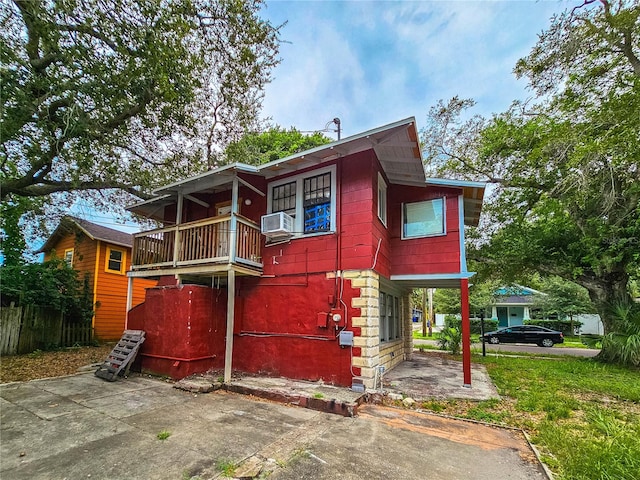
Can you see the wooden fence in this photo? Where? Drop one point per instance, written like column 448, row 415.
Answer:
column 28, row 328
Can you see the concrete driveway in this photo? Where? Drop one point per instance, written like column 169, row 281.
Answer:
column 82, row 427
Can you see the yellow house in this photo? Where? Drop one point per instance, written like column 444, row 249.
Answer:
column 104, row 256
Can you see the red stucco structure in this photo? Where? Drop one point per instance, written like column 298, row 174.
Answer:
column 323, row 295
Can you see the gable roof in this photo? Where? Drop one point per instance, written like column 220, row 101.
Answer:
column 396, row 146
column 70, row 224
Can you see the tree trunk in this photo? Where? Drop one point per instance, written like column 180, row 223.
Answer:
column 606, row 292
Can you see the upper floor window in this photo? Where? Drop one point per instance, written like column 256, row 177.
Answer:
column 382, row 200
column 115, row 260
column 309, row 198
column 68, row 256
column 423, row 219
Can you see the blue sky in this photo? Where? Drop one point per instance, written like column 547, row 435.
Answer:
column 374, row 62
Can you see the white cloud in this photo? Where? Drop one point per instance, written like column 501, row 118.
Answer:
column 371, row 63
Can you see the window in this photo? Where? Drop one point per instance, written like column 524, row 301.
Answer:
column 423, row 219
column 382, row 200
column 283, row 199
column 389, row 317
column 317, row 203
column 68, row 256
column 115, row 260
column 308, row 198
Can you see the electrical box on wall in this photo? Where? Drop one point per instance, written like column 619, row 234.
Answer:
column 323, row 317
column 345, row 339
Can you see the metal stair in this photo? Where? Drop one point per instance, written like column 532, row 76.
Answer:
column 122, row 355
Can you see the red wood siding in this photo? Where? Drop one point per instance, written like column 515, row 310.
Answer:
column 428, row 255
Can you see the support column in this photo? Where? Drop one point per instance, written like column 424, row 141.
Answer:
column 233, row 222
column 494, row 312
column 228, row 353
column 176, row 239
column 466, row 332
column 527, row 313
column 129, row 301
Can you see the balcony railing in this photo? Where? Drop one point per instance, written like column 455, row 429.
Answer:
column 201, row 242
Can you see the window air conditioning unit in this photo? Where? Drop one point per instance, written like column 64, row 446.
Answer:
column 277, row 224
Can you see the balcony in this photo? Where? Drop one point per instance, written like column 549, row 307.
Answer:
column 204, row 246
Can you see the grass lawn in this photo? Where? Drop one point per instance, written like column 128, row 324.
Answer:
column 584, row 416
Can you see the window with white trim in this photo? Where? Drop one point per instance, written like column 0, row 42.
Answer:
column 389, row 317
column 382, row 200
column 309, row 198
column 423, row 219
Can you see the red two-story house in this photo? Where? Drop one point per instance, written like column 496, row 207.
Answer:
column 302, row 267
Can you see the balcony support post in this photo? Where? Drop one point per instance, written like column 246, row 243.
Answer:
column 233, row 222
column 176, row 237
column 228, row 353
column 129, row 301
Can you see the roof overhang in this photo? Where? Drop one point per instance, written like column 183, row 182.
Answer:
column 440, row 280
column 473, row 193
column 396, row 146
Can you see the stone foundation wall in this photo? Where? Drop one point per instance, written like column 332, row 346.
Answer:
column 374, row 354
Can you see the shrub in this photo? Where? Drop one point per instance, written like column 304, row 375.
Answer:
column 623, row 345
column 489, row 324
column 563, row 326
column 450, row 339
column 50, row 284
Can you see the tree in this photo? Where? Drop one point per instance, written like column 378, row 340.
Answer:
column 481, row 296
column 564, row 299
column 275, row 143
column 103, row 94
column 52, row 284
column 565, row 169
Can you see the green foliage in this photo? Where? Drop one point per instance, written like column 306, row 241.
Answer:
column 623, row 345
column 567, row 196
column 474, row 324
column 582, row 414
column 563, row 299
column 481, row 296
column 450, row 339
column 564, row 326
column 50, row 284
column 273, row 144
column 109, row 94
column 226, row 467
column 163, row 435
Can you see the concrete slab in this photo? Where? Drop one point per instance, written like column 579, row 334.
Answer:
column 433, row 375
column 88, row 439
